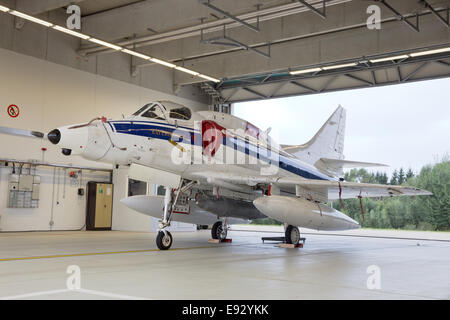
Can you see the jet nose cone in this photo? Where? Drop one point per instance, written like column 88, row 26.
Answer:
column 54, row 136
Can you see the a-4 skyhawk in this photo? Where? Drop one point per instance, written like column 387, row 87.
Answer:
column 218, row 169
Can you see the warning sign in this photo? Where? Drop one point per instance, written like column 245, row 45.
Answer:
column 13, row 111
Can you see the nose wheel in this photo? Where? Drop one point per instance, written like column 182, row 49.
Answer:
column 164, row 240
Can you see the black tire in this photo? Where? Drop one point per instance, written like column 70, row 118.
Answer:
column 217, row 231
column 292, row 235
column 163, row 241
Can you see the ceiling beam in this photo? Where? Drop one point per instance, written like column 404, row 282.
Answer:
column 40, row 6
column 321, row 14
column 145, row 11
column 445, row 21
column 207, row 3
column 401, row 17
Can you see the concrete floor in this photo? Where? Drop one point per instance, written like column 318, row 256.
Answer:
column 120, row 265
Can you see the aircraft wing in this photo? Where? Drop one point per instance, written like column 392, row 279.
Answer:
column 331, row 189
column 350, row 190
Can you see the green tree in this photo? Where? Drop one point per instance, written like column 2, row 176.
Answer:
column 384, row 179
column 409, row 174
column 394, row 178
column 401, row 177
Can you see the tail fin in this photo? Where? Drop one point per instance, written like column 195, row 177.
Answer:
column 327, row 143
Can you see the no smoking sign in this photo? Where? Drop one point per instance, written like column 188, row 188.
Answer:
column 13, row 111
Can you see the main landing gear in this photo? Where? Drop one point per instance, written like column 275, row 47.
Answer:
column 292, row 235
column 219, row 230
column 164, row 238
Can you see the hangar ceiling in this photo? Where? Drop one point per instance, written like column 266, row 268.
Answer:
column 264, row 48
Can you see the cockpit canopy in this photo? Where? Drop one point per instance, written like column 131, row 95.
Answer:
column 162, row 110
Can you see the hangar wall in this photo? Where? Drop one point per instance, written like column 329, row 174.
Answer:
column 51, row 95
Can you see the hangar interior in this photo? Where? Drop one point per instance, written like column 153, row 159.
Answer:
column 207, row 54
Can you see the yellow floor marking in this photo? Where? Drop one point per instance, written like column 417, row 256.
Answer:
column 97, row 254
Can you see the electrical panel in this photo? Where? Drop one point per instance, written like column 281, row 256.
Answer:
column 23, row 191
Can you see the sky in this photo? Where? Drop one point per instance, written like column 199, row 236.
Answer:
column 405, row 125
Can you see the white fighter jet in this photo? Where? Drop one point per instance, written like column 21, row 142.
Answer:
column 218, row 169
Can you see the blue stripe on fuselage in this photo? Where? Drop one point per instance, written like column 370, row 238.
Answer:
column 164, row 132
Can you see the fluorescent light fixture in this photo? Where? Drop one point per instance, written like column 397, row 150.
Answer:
column 428, row 52
column 306, row 71
column 403, row 56
column 340, row 66
column 136, row 54
column 164, row 63
column 71, row 32
column 30, row 18
column 209, row 78
column 106, row 44
column 187, row 71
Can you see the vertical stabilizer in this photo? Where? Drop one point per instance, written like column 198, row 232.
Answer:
column 328, row 142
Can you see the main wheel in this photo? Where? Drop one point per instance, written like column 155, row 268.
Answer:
column 292, row 235
column 218, row 232
column 163, row 240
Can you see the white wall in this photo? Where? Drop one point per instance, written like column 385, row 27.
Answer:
column 50, row 95
column 126, row 219
column 59, row 202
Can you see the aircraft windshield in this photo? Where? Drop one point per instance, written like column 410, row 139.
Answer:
column 160, row 110
column 137, row 113
column 155, row 112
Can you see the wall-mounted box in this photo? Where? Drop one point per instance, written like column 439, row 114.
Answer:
column 24, row 191
column 26, row 183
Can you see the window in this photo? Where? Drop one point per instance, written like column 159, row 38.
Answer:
column 154, row 112
column 136, row 188
column 160, row 190
column 141, row 110
column 182, row 113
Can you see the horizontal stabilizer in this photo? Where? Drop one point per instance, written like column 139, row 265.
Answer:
column 336, row 163
column 336, row 166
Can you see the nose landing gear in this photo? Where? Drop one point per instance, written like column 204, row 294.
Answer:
column 164, row 238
